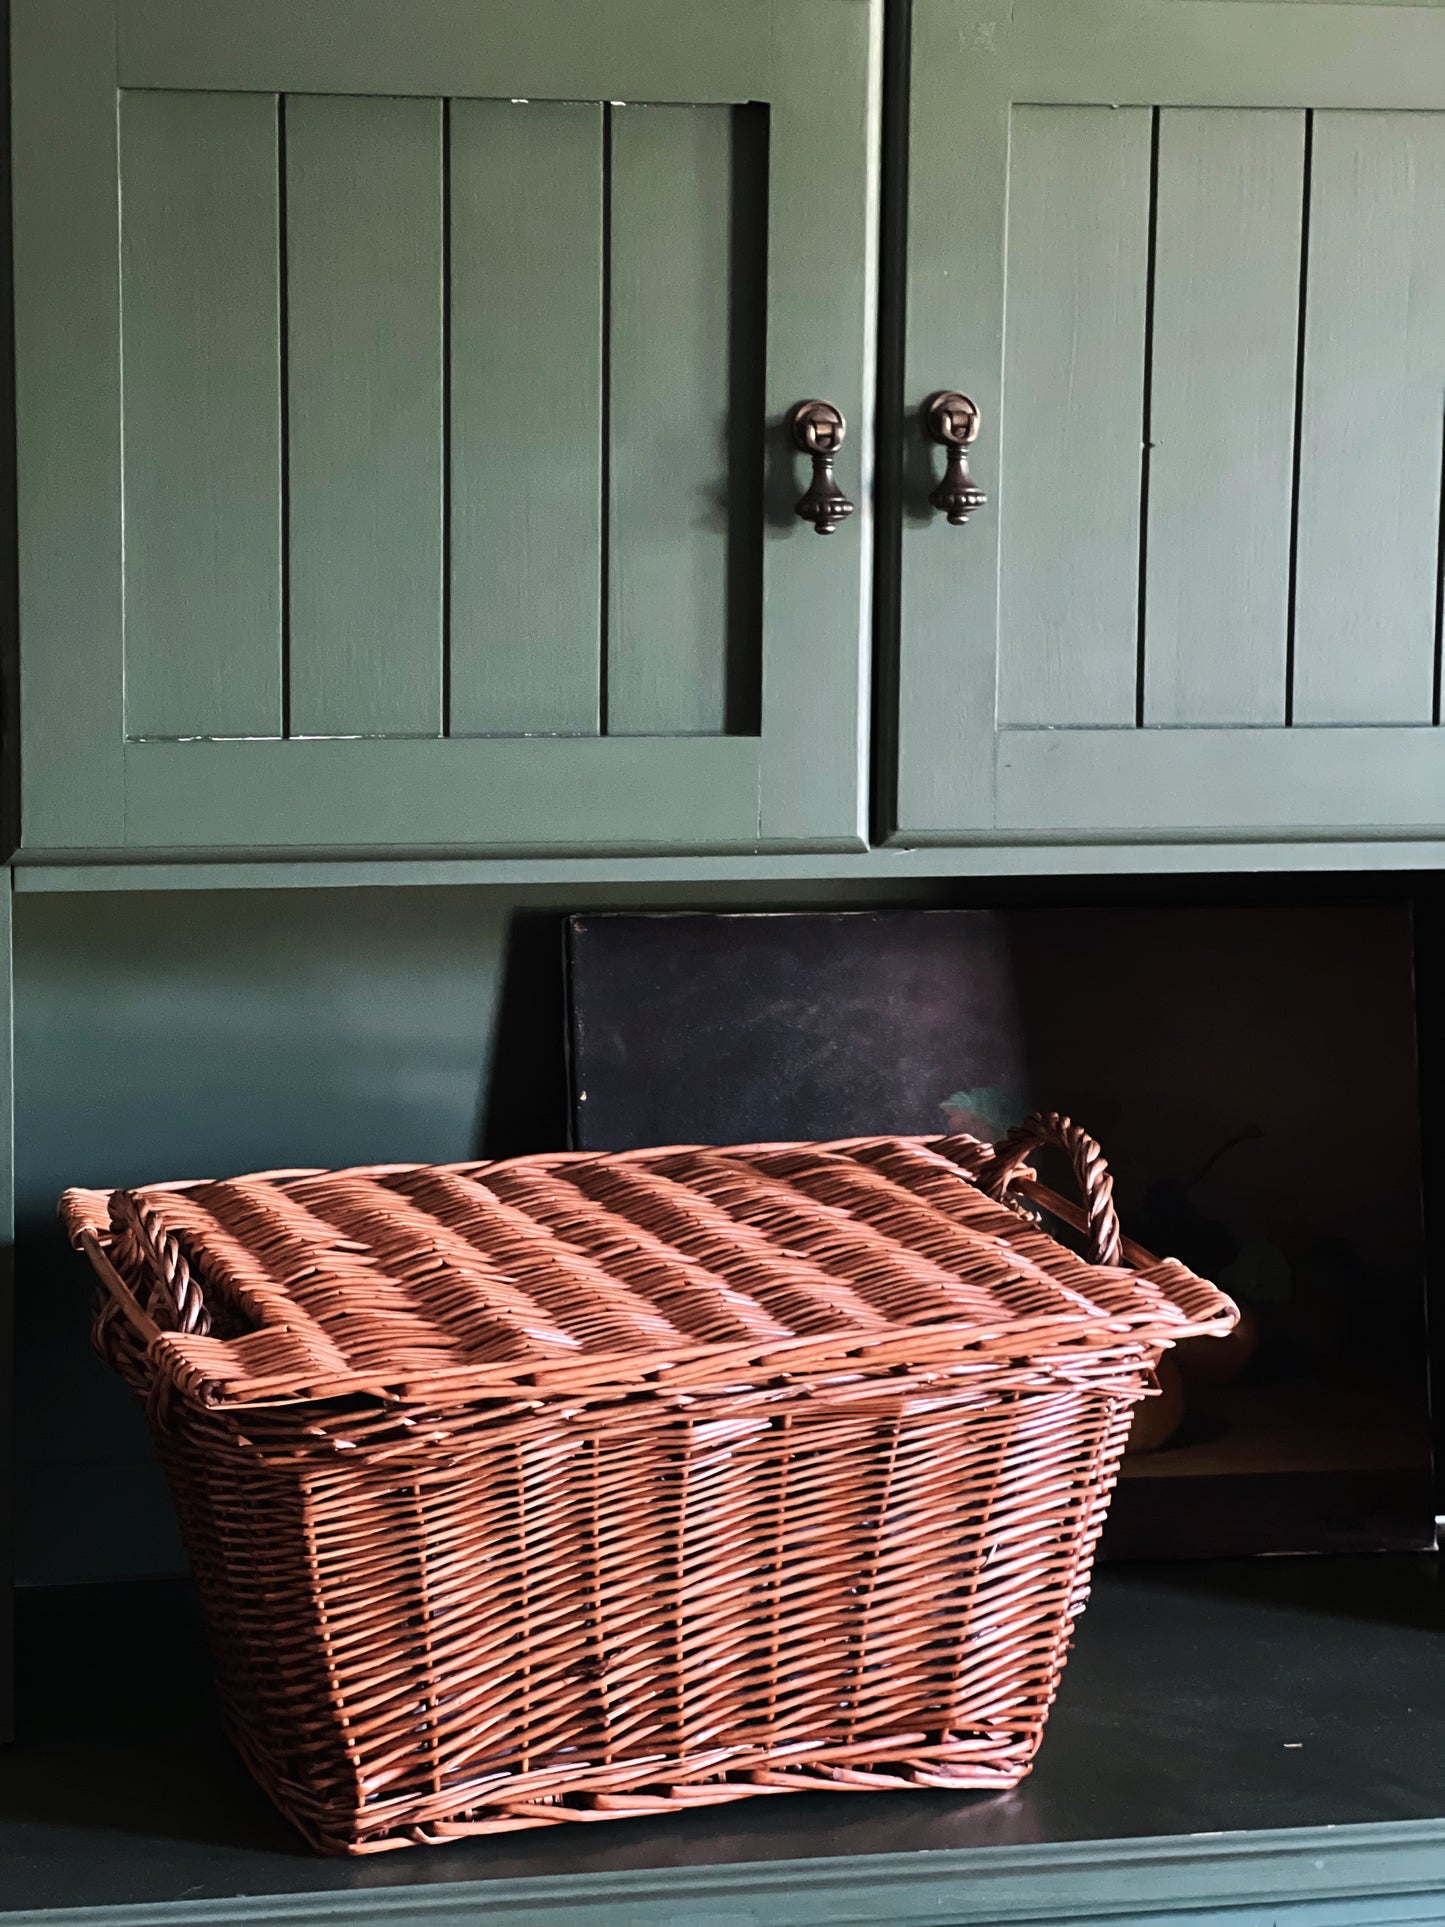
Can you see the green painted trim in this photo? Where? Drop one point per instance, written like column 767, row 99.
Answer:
column 548, row 49
column 67, row 419
column 669, row 792
column 7, row 1087
column 1244, row 782
column 822, row 312
column 7, row 1311
column 1200, row 53
column 1307, row 1877
column 920, row 864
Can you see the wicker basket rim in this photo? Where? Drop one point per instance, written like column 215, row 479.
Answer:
column 568, row 1274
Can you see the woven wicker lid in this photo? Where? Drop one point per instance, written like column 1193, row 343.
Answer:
column 557, row 1274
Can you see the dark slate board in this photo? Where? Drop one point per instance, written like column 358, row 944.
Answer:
column 1234, row 1063
column 737, row 1028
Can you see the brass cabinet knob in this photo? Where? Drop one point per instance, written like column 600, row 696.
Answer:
column 951, row 420
column 816, row 428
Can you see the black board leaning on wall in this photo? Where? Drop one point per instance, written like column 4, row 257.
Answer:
column 1223, row 1056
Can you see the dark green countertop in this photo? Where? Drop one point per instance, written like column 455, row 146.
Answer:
column 1268, row 1736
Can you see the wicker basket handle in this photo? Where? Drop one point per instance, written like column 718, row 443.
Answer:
column 121, row 1297
column 172, row 1299
column 1101, row 1218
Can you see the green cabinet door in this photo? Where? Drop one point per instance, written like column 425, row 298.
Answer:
column 400, row 397
column 1188, row 258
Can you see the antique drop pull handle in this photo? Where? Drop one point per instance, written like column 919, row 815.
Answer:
column 816, row 428
column 951, row 420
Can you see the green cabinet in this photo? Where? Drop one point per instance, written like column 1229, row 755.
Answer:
column 401, row 423
column 1188, row 258
column 400, row 402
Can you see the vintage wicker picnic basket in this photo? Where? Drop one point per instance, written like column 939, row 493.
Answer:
column 578, row 1485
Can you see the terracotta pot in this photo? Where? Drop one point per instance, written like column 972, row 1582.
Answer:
column 1214, row 1361
column 1156, row 1420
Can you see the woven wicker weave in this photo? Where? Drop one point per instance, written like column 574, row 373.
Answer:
column 579, row 1486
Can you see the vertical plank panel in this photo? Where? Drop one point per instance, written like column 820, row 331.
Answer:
column 667, row 633
column 202, row 410
column 1226, row 331
column 364, row 267
column 1077, row 295
column 526, row 399
column 1373, row 415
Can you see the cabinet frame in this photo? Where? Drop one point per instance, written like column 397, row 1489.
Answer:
column 962, row 775
column 800, row 783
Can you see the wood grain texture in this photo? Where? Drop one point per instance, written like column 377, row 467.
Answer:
column 1077, row 295
column 364, row 267
column 67, row 361
column 545, row 49
column 1373, row 421
column 202, row 402
column 526, row 402
column 1222, row 407
column 668, row 523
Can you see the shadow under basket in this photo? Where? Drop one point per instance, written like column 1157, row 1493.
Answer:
column 581, row 1486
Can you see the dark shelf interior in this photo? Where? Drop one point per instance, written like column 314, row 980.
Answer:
column 1200, row 1698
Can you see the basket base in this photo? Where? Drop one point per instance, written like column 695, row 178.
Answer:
column 378, row 1832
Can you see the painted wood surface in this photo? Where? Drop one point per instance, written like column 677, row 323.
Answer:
column 1221, row 415
column 1227, row 592
column 1159, row 782
column 368, row 502
column 669, row 418
column 364, row 383
column 67, row 412
column 921, row 869
column 526, row 385
column 8, row 1492
column 947, row 675
column 202, row 406
column 546, row 49
column 1379, row 1875
column 822, row 293
column 663, row 792
column 1372, row 422
column 1220, row 53
column 1134, row 53
column 1077, row 287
